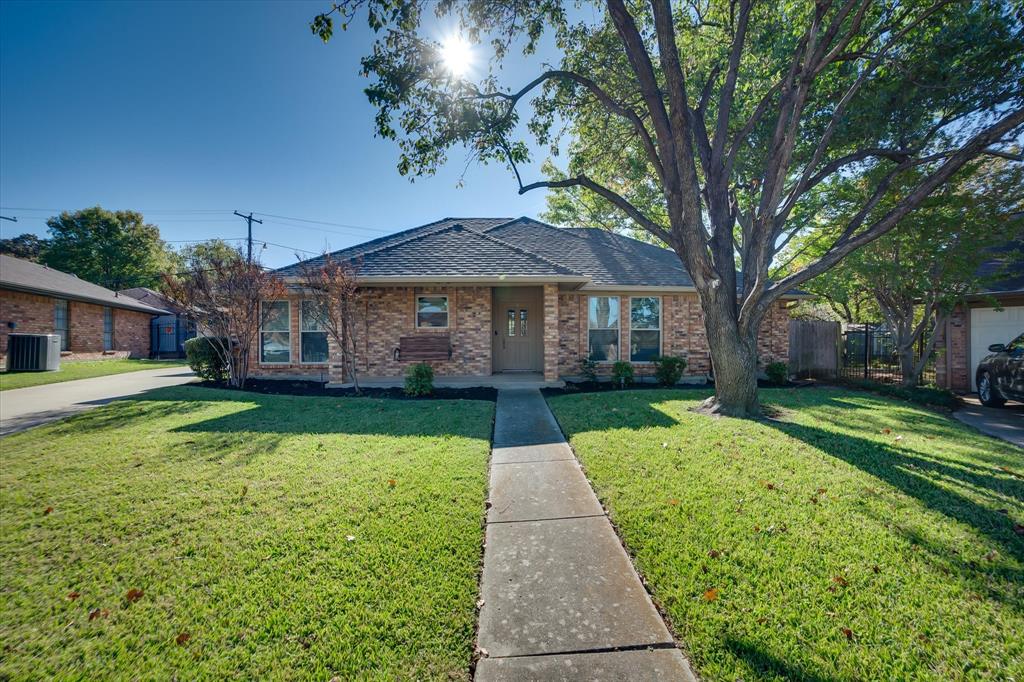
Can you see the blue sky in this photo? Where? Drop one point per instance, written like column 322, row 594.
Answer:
column 177, row 107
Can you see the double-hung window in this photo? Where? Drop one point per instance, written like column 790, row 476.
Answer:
column 432, row 312
column 275, row 332
column 60, row 322
column 108, row 328
column 603, row 328
column 312, row 333
column 644, row 328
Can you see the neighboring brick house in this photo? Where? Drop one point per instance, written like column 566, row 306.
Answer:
column 964, row 340
column 93, row 322
column 504, row 295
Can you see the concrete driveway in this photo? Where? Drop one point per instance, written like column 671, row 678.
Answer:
column 23, row 408
column 1005, row 422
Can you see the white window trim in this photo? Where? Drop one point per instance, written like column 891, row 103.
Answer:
column 660, row 330
column 416, row 310
column 277, row 331
column 606, row 329
column 301, row 332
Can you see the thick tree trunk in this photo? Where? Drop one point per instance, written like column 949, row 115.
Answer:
column 734, row 357
column 908, row 365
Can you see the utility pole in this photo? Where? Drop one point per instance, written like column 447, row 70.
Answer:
column 250, row 220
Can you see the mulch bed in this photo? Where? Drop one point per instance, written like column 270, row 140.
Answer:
column 316, row 388
column 605, row 386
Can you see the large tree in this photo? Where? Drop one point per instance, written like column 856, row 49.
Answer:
column 26, row 246
column 712, row 124
column 115, row 249
column 913, row 277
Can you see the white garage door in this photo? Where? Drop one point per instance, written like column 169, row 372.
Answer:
column 989, row 326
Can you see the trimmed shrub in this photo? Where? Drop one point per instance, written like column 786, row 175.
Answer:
column 669, row 370
column 778, row 372
column 419, row 379
column 588, row 369
column 205, row 361
column 622, row 373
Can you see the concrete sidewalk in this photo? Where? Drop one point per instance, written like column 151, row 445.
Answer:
column 561, row 598
column 23, row 408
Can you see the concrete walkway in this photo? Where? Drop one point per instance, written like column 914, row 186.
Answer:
column 561, row 598
column 1005, row 422
column 23, row 408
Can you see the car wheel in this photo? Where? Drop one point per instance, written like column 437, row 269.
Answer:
column 988, row 393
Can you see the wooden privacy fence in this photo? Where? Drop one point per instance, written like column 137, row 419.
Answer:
column 814, row 349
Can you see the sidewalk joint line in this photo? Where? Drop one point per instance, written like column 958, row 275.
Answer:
column 551, row 518
column 598, row 650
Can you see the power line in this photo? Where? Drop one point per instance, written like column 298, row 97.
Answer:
column 323, row 222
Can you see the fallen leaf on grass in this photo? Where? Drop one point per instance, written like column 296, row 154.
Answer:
column 876, row 569
column 768, row 484
column 991, row 556
column 47, row 511
column 392, row 482
column 840, row 580
column 711, row 595
column 673, row 501
column 822, row 491
column 74, row 595
column 887, row 430
column 182, row 638
column 133, row 595
column 714, row 554
column 848, row 632
column 814, row 499
column 350, row 538
column 98, row 613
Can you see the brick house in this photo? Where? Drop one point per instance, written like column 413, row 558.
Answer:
column 502, row 296
column 93, row 322
column 995, row 315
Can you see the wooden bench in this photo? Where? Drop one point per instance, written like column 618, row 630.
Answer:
column 424, row 347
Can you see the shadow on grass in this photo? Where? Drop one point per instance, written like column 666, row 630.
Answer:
column 916, row 474
column 767, row 664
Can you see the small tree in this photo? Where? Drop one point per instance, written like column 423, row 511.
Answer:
column 223, row 295
column 332, row 285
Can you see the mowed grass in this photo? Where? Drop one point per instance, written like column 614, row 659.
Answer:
column 272, row 537
column 81, row 369
column 852, row 538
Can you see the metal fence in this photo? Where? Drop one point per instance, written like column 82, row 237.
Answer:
column 869, row 352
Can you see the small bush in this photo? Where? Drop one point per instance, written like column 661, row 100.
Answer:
column 588, row 369
column 622, row 373
column 205, row 361
column 419, row 379
column 778, row 372
column 669, row 370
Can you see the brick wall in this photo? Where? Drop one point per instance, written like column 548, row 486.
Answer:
column 384, row 315
column 34, row 314
column 682, row 333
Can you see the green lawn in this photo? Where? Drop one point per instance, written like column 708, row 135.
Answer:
column 852, row 538
column 289, row 537
column 81, row 369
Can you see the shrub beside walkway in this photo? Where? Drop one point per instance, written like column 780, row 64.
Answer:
column 561, row 598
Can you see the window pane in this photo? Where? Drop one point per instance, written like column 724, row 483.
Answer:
column 275, row 316
column 312, row 317
column 604, row 345
column 604, row 312
column 522, row 322
column 60, row 322
column 431, row 311
column 644, row 345
column 274, row 347
column 108, row 328
column 314, row 346
column 511, row 322
column 645, row 312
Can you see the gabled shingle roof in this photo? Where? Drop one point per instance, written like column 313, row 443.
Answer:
column 1004, row 270
column 504, row 248
column 608, row 259
column 23, row 275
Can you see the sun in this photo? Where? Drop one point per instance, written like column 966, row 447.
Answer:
column 457, row 55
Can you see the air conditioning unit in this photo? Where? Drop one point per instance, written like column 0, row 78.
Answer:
column 33, row 352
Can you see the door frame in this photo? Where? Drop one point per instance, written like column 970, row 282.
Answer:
column 533, row 296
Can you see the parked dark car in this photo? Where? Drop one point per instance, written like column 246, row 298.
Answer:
column 1000, row 376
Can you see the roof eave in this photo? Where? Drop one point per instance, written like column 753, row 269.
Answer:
column 461, row 279
column 54, row 293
